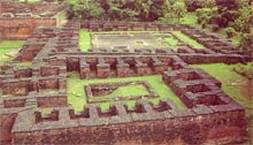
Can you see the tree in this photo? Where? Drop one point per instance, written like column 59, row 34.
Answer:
column 230, row 31
column 86, row 8
column 173, row 11
column 204, row 15
column 244, row 21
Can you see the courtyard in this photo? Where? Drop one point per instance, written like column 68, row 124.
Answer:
column 72, row 75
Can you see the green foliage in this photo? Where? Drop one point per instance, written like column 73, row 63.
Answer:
column 205, row 14
column 247, row 42
column 244, row 21
column 86, row 8
column 116, row 9
column 77, row 97
column 244, row 26
column 173, row 11
column 230, row 31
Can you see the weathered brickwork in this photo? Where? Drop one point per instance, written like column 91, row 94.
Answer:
column 210, row 116
column 17, row 20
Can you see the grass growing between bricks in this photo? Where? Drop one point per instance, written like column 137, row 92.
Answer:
column 78, row 99
column 84, row 40
column 188, row 40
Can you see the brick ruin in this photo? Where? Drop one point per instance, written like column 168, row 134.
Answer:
column 101, row 90
column 210, row 117
column 18, row 20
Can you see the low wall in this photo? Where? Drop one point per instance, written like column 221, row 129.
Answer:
column 190, row 130
column 22, row 28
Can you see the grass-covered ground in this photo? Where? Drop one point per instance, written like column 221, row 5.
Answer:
column 233, row 84
column 77, row 97
column 188, row 40
column 171, row 42
column 8, row 49
column 84, row 40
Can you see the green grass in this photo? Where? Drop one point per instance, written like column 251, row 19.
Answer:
column 84, row 40
column 172, row 42
column 78, row 99
column 188, row 40
column 230, row 81
column 236, row 40
column 7, row 48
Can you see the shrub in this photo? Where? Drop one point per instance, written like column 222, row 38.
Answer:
column 173, row 11
column 230, row 32
column 85, row 9
column 145, row 10
column 204, row 15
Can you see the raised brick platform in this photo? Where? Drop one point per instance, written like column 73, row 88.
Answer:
column 210, row 116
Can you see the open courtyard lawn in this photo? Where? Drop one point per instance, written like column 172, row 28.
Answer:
column 188, row 40
column 235, row 85
column 84, row 40
column 78, row 99
column 8, row 49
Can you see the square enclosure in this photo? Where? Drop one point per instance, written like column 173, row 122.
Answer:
column 129, row 40
column 128, row 89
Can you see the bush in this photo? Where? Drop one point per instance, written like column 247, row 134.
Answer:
column 173, row 11
column 193, row 5
column 228, row 4
column 204, row 15
column 85, row 9
column 230, row 32
column 145, row 10
column 244, row 21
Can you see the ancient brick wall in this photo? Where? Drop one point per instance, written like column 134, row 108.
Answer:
column 191, row 130
column 17, row 28
column 204, row 120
